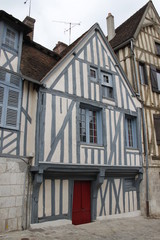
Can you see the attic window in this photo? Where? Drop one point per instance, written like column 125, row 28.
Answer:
column 93, row 74
column 107, row 85
column 157, row 48
column 10, row 38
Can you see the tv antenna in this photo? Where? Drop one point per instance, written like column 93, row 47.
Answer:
column 71, row 25
column 30, row 1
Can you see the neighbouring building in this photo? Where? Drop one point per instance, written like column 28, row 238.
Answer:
column 137, row 45
column 18, row 101
column 70, row 130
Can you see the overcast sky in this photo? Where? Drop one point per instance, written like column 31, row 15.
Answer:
column 46, row 12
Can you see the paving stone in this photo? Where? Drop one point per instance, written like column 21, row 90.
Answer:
column 112, row 229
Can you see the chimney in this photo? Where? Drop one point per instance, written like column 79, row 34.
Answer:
column 30, row 23
column 110, row 26
column 60, row 46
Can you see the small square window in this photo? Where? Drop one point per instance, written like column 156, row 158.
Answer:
column 93, row 74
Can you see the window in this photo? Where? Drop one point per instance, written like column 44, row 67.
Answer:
column 93, row 74
column 131, row 131
column 143, row 73
column 10, row 38
column 107, row 85
column 10, row 93
column 90, row 125
column 156, row 126
column 155, row 79
column 157, row 48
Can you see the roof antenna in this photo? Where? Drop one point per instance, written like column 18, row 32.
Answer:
column 71, row 25
column 29, row 6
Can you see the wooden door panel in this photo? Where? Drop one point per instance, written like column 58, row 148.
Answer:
column 81, row 211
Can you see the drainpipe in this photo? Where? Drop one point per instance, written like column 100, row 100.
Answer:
column 144, row 131
column 146, row 158
column 135, row 67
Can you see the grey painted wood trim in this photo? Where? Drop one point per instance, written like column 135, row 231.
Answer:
column 70, row 140
column 25, row 126
column 53, row 127
column 42, row 126
column 53, row 197
column 37, row 133
column 38, row 179
column 19, row 51
column 78, row 131
column 104, row 134
column 44, row 193
column 103, row 198
column 59, row 135
column 113, row 142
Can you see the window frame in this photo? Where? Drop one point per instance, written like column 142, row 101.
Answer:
column 155, row 82
column 86, row 121
column 133, row 121
column 156, row 118
column 143, row 73
column 158, row 79
column 157, row 48
column 107, row 86
column 9, row 109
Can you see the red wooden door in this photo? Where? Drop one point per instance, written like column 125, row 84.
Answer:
column 81, row 210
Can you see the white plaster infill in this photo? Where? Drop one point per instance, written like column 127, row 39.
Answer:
column 55, row 223
column 122, row 215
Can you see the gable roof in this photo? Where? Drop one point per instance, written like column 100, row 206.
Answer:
column 72, row 48
column 127, row 30
column 36, row 60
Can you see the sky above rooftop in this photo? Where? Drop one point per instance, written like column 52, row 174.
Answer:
column 53, row 16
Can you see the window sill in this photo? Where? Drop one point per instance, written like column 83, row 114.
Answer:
column 91, row 145
column 10, row 129
column 132, row 149
column 11, row 50
column 108, row 98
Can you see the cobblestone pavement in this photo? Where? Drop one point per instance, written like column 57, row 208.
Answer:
column 112, row 229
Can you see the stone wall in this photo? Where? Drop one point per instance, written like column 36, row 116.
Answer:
column 154, row 191
column 13, row 194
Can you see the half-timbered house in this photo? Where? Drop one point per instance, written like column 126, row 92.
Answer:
column 88, row 155
column 70, row 120
column 137, row 45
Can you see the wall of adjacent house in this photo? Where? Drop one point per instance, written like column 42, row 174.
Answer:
column 17, row 140
column 146, row 53
column 14, row 170
column 13, row 193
